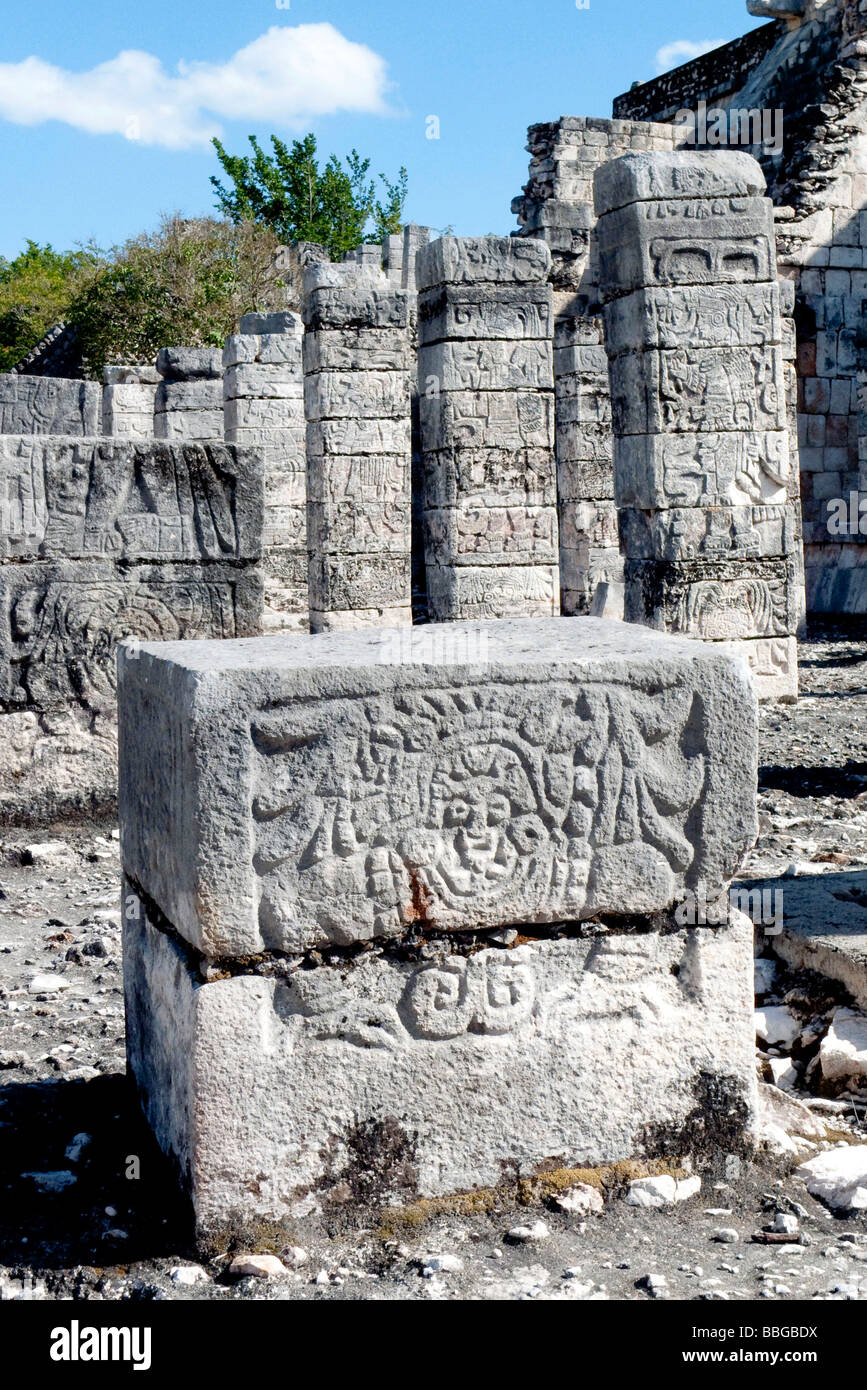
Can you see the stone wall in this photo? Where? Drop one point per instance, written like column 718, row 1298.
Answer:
column 101, row 540
column 48, row 405
column 128, row 401
column 189, row 398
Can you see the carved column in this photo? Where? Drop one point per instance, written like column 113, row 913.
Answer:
column 357, row 402
column 263, row 405
column 701, row 450
column 486, row 390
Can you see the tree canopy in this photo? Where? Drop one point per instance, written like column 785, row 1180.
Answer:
column 334, row 205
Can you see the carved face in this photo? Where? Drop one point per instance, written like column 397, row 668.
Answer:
column 484, row 804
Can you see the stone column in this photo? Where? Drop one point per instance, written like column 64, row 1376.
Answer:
column 128, row 401
column 486, row 391
column 189, row 399
column 701, row 448
column 263, row 405
column 357, row 402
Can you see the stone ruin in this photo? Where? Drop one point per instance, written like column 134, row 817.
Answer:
column 650, row 395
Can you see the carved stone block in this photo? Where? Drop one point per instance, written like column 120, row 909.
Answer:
column 397, row 1079
column 492, row 591
column 698, row 389
column 487, row 420
column 713, row 599
column 287, row 792
column 455, row 313
column 486, row 365
column 491, row 535
column 60, row 622
column 73, row 498
column 516, row 477
column 482, row 260
column 660, row 471
column 48, row 405
column 713, row 533
column 696, row 317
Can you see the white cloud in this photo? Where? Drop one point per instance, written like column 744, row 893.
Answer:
column 671, row 55
column 284, row 77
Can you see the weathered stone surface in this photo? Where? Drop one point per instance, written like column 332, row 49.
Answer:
column 697, row 389
column 190, row 364
column 189, row 408
column 695, row 317
column 674, row 175
column 689, row 533
column 660, row 471
column 48, row 405
column 280, row 1099
column 355, row 308
column 485, row 260
column 713, row 599
column 293, row 791
column 487, row 366
column 358, row 457
column 491, row 535
column 60, row 622
column 487, row 420
column 73, row 498
column 463, row 312
column 128, row 398
column 517, row 477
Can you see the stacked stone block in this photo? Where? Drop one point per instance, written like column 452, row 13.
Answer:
column 310, row 834
column 189, row 398
column 556, row 206
column 701, row 448
column 263, row 406
column 48, row 405
column 487, row 429
column 104, row 539
column 357, row 374
column 129, row 401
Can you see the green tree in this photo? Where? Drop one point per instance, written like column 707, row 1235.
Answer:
column 36, row 289
column 188, row 282
column 288, row 191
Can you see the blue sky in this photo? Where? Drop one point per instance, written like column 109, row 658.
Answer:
column 97, row 147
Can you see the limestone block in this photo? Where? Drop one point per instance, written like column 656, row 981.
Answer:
column 470, row 312
column 60, row 622
column 487, row 419
column 656, row 472
column 351, row 581
column 282, row 325
column 509, row 591
column 382, row 396
column 713, row 599
column 487, row 365
column 356, row 308
column 394, row 1079
column 473, row 260
column 261, row 379
column 190, row 364
column 590, row 478
column 358, row 436
column 206, row 394
column 695, row 317
column 282, row 793
column 73, row 497
column 692, row 389
column 728, row 241
column 688, row 533
column 351, row 524
column 673, row 175
column 357, row 350
column 516, row 477
column 491, row 535
column 273, row 420
column 48, row 405
column 128, row 410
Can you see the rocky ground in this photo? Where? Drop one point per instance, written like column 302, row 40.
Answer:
column 90, row 1209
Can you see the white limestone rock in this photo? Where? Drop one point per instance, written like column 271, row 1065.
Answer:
column 838, row 1177
column 284, row 792
column 434, row 1075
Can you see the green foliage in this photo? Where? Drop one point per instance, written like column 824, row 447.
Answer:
column 289, row 192
column 189, row 282
column 36, row 289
